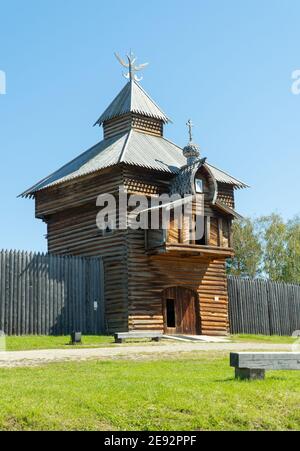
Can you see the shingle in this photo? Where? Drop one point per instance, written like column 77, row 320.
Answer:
column 102, row 155
column 153, row 152
column 223, row 177
column 132, row 148
column 133, row 99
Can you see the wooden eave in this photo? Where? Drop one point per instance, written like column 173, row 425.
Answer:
column 192, row 250
column 226, row 209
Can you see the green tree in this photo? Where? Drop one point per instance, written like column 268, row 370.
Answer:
column 292, row 269
column 267, row 247
column 248, row 250
column 273, row 235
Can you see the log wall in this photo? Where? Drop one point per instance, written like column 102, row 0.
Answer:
column 70, row 212
column 134, row 281
column 150, row 275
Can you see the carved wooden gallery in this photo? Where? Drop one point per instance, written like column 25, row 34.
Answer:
column 158, row 280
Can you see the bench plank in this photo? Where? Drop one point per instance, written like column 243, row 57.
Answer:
column 138, row 334
column 266, row 361
column 122, row 336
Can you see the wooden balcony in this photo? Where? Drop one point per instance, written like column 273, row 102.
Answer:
column 157, row 244
column 192, row 250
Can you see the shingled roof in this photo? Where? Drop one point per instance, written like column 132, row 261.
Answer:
column 132, row 148
column 133, row 99
column 140, row 148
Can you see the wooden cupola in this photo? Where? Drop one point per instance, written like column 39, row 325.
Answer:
column 132, row 109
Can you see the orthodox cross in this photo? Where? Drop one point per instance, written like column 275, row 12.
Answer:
column 131, row 66
column 190, row 126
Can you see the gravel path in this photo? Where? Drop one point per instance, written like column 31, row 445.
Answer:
column 32, row 358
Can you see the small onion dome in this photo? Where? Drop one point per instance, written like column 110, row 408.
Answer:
column 191, row 152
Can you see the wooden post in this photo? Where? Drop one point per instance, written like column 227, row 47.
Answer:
column 220, row 231
column 230, row 243
column 249, row 374
column 207, row 230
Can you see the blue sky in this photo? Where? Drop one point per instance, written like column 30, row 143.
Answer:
column 226, row 64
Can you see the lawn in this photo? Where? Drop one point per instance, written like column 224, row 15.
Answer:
column 195, row 392
column 26, row 343
column 31, row 342
column 276, row 339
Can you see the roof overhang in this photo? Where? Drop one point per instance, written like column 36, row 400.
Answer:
column 226, row 209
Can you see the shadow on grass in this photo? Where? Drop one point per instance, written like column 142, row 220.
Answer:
column 229, row 379
column 268, row 378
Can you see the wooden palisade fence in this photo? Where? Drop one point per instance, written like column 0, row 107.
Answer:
column 263, row 307
column 50, row 295
column 53, row 295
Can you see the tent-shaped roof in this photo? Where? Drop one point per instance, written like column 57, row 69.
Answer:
column 133, row 99
column 132, row 148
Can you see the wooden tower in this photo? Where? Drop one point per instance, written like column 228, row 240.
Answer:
column 154, row 279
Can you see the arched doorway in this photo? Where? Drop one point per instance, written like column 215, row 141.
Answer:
column 181, row 311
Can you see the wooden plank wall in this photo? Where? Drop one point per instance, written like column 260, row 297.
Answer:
column 150, row 275
column 45, row 294
column 77, row 192
column 226, row 194
column 48, row 294
column 132, row 292
column 70, row 212
column 263, row 307
column 76, row 233
column 128, row 122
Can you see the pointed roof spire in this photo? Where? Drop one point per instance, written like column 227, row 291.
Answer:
column 132, row 98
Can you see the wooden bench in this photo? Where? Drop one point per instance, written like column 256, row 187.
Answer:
column 253, row 365
column 121, row 337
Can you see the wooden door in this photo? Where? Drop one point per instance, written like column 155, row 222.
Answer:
column 181, row 315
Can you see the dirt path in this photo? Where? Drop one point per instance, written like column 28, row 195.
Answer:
column 31, row 358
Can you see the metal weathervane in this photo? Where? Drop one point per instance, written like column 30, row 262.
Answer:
column 131, row 66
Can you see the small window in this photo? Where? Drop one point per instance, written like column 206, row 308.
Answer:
column 202, row 240
column 199, row 186
column 171, row 319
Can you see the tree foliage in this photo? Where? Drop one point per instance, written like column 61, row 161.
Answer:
column 292, row 269
column 273, row 237
column 248, row 251
column 267, row 247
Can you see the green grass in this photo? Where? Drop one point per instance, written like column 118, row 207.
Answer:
column 36, row 342
column 196, row 392
column 263, row 339
column 26, row 343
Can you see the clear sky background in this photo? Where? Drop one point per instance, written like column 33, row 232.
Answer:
column 226, row 64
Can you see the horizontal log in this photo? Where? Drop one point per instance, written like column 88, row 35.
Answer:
column 266, row 361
